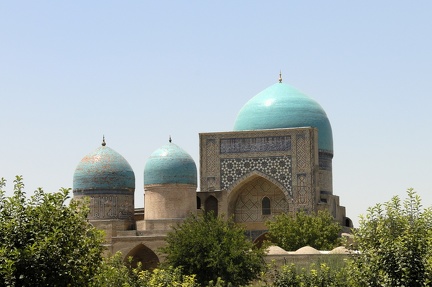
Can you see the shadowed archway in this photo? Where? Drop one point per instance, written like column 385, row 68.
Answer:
column 260, row 239
column 145, row 255
column 211, row 204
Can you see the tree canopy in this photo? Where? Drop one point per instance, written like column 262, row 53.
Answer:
column 212, row 248
column 394, row 242
column 44, row 242
column 293, row 231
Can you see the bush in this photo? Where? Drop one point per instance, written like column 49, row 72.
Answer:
column 114, row 272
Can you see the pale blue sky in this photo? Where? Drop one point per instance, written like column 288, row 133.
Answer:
column 139, row 71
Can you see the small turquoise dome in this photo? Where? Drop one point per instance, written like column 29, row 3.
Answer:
column 170, row 164
column 282, row 106
column 103, row 169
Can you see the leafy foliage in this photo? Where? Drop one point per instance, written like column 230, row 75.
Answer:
column 394, row 244
column 293, row 231
column 170, row 277
column 213, row 248
column 114, row 272
column 43, row 242
column 323, row 275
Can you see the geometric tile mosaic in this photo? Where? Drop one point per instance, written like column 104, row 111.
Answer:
column 301, row 152
column 278, row 168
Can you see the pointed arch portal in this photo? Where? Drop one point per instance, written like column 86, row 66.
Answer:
column 145, row 255
column 256, row 200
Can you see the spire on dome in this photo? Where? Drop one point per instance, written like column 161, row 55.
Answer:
column 103, row 141
column 170, row 140
column 280, row 76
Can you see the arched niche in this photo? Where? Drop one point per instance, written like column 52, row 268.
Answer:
column 145, row 255
column 348, row 222
column 211, row 204
column 251, row 197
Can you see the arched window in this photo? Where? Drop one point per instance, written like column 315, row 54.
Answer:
column 265, row 204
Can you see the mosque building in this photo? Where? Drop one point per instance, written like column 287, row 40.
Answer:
column 277, row 159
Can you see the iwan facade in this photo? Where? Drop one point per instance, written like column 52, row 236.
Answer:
column 277, row 159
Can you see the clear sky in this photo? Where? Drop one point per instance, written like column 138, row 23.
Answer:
column 139, row 71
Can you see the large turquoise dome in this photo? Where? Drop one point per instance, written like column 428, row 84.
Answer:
column 282, row 106
column 103, row 169
column 170, row 164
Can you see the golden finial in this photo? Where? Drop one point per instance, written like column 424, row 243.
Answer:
column 280, row 76
column 103, row 141
column 170, row 138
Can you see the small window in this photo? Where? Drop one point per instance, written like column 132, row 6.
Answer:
column 266, row 210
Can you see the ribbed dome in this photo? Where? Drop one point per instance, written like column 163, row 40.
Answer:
column 282, row 106
column 103, row 169
column 170, row 164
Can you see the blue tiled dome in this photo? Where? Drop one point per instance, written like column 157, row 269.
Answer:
column 282, row 106
column 170, row 164
column 103, row 169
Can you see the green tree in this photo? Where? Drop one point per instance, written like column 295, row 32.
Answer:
column 293, row 231
column 213, row 248
column 394, row 245
column 44, row 242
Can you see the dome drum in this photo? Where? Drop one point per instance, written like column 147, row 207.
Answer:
column 167, row 201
